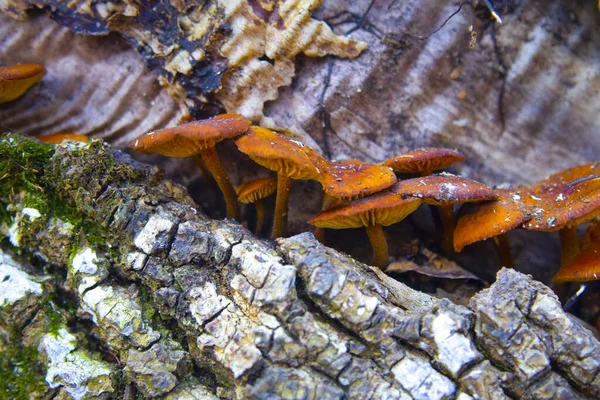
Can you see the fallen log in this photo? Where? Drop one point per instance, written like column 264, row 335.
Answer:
column 113, row 284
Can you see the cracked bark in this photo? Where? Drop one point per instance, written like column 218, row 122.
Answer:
column 183, row 306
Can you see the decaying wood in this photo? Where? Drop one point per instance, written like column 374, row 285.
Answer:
column 237, row 52
column 520, row 98
column 170, row 303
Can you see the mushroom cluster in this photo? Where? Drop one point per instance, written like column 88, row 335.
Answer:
column 359, row 194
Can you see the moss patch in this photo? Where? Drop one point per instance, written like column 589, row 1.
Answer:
column 21, row 375
column 21, row 164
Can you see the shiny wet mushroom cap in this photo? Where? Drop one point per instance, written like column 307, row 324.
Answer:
column 445, row 190
column 353, row 179
column 372, row 212
column 424, row 161
column 561, row 206
column 16, row 79
column 491, row 219
column 191, row 138
column 198, row 139
column 289, row 158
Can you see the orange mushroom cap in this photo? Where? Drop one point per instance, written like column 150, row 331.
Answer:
column 278, row 153
column 384, row 208
column 560, row 180
column 352, row 179
column 59, row 137
column 16, row 79
column 491, row 219
column 257, row 189
column 188, row 139
column 563, row 204
column 584, row 267
column 444, row 189
column 428, row 159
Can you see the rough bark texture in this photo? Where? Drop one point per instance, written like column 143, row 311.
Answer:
column 133, row 289
column 520, row 99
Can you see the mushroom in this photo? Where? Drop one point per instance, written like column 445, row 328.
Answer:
column 372, row 212
column 289, row 158
column 59, row 137
column 563, row 201
column 585, row 266
column 492, row 220
column 445, row 190
column 424, row 161
column 198, row 139
column 16, row 79
column 352, row 179
column 254, row 192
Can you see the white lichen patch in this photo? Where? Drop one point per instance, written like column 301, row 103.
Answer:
column 419, row 378
column 15, row 284
column 118, row 309
column 32, row 213
column 14, row 230
column 254, row 264
column 84, row 261
column 454, row 350
column 230, row 335
column 14, row 237
column 355, row 306
column 85, row 269
column 207, row 303
column 154, row 233
column 136, row 260
column 81, row 376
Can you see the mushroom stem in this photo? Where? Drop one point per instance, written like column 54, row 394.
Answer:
column 319, row 233
column 260, row 216
column 200, row 164
column 211, row 159
column 447, row 213
column 569, row 244
column 379, row 244
column 503, row 249
column 284, row 184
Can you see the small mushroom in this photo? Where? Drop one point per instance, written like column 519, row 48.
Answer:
column 16, row 79
column 445, row 190
column 289, row 158
column 198, row 138
column 424, row 161
column 492, row 220
column 380, row 209
column 59, row 137
column 253, row 192
column 585, row 266
column 564, row 200
column 352, row 179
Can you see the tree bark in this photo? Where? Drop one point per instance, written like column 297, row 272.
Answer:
column 122, row 285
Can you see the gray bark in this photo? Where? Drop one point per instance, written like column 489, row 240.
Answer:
column 168, row 302
column 520, row 99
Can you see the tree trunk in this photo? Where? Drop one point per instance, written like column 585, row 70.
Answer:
column 122, row 285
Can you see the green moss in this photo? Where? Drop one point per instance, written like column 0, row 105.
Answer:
column 21, row 163
column 22, row 160
column 21, row 375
